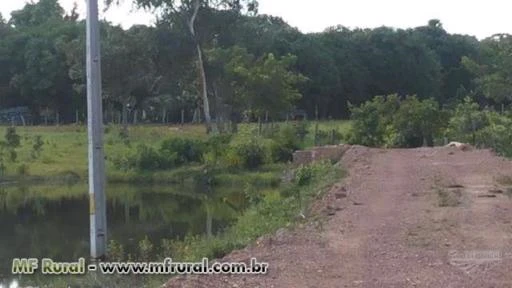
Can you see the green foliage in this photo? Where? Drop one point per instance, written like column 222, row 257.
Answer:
column 247, row 153
column 116, row 251
column 22, row 170
column 389, row 121
column 481, row 127
column 465, row 121
column 186, row 150
column 124, row 135
column 146, row 250
column 37, row 147
column 145, row 158
column 303, row 175
column 12, row 139
column 372, row 120
column 416, row 122
column 287, row 140
column 493, row 68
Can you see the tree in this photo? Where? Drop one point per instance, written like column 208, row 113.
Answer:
column 187, row 11
column 262, row 85
column 127, row 83
column 493, row 69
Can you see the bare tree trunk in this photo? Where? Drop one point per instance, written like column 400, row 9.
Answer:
column 135, row 116
column 77, row 120
column 164, row 115
column 259, row 125
column 125, row 116
column 182, row 116
column 200, row 64
column 112, row 117
column 57, row 118
column 209, row 220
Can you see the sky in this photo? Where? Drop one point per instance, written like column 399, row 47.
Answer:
column 473, row 17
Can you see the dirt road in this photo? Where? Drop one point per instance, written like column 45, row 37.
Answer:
column 429, row 217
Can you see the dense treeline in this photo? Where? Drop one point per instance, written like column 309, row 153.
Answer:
column 204, row 60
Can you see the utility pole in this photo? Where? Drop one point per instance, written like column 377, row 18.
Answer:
column 97, row 199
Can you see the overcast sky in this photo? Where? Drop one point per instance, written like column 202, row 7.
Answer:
column 474, row 17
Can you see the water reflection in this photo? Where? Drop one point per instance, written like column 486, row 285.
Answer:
column 53, row 221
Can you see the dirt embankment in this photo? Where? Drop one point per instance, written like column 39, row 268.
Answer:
column 428, row 217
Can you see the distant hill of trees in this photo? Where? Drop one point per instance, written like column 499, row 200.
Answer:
column 248, row 62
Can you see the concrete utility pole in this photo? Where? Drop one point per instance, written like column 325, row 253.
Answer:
column 97, row 199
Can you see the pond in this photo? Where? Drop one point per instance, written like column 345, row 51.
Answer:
column 49, row 221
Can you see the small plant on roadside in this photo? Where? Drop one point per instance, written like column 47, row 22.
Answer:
column 448, row 197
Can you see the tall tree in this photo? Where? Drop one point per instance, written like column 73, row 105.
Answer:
column 187, row 11
column 493, row 68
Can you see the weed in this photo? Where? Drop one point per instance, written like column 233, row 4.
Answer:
column 448, row 198
column 22, row 170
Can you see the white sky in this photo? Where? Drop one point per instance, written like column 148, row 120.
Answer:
column 474, row 17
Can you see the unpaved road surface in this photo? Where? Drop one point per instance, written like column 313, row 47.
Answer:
column 428, row 217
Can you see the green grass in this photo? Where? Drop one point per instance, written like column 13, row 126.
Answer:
column 64, row 151
column 65, row 147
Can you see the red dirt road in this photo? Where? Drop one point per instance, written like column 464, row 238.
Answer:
column 428, row 217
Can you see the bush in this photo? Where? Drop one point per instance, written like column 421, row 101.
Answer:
column 389, row 121
column 249, row 153
column 416, row 122
column 37, row 147
column 466, row 120
column 216, row 146
column 482, row 128
column 12, row 139
column 184, row 150
column 331, row 137
column 22, row 170
column 286, row 140
column 280, row 152
column 146, row 158
column 372, row 119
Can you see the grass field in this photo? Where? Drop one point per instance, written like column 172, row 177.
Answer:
column 64, row 151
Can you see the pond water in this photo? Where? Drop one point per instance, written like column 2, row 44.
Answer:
column 48, row 221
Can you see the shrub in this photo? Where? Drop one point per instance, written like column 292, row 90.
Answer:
column 146, row 158
column 249, row 153
column 37, row 147
column 280, row 152
column 124, row 135
column 389, row 121
column 22, row 170
column 184, row 150
column 301, row 129
column 287, row 140
column 303, row 175
column 466, row 120
column 12, row 139
column 371, row 120
column 416, row 122
column 497, row 134
column 330, row 137
column 216, row 146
